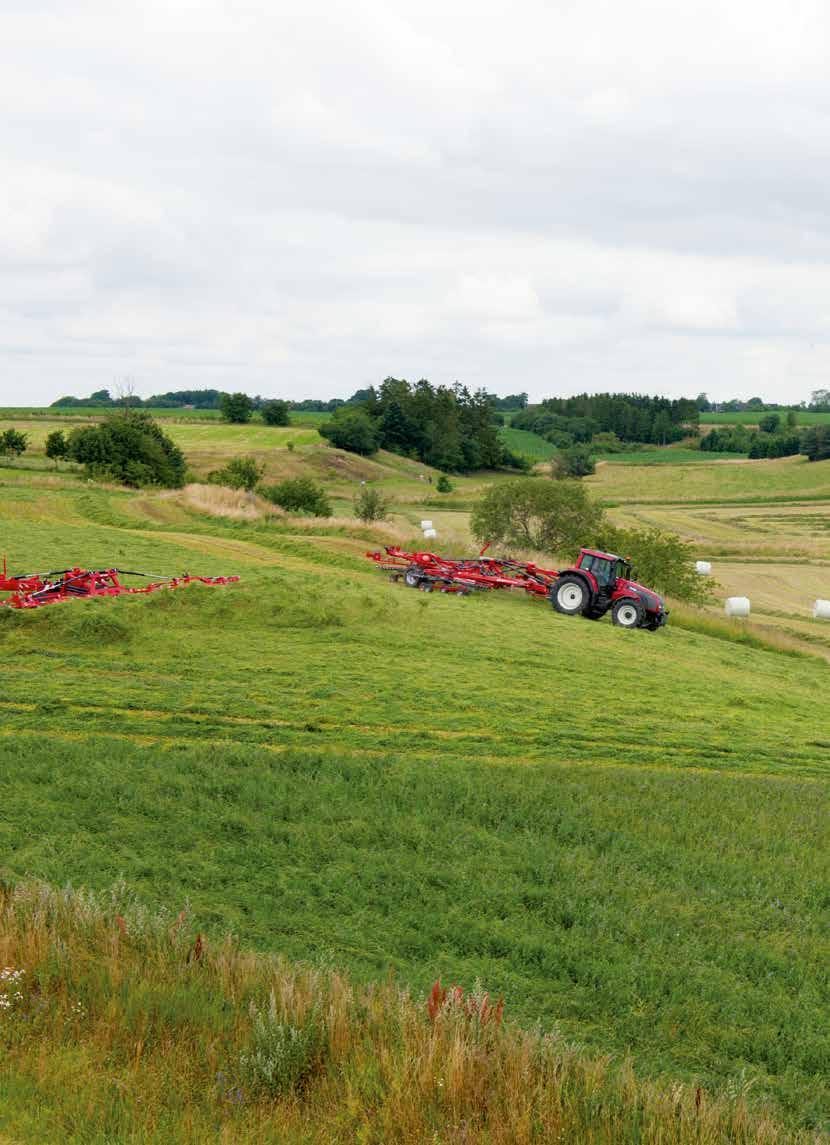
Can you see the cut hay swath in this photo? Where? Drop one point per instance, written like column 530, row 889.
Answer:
column 33, row 590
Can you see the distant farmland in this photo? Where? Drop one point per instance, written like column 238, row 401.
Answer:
column 750, row 417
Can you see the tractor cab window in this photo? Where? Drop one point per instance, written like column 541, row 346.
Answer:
column 623, row 570
column 603, row 569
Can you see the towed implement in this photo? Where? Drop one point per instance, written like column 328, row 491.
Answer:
column 598, row 583
column 33, row 590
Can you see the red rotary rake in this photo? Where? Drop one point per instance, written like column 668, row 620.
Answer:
column 598, row 583
column 33, row 590
column 427, row 571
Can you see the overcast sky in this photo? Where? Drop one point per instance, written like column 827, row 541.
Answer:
column 300, row 199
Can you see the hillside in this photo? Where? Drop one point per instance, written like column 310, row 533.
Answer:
column 624, row 834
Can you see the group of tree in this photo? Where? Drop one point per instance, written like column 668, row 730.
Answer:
column 776, row 436
column 212, row 400
column 815, row 442
column 510, row 402
column 558, row 518
column 447, row 427
column 239, row 408
column 630, row 417
column 127, row 446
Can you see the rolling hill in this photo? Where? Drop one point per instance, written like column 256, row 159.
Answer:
column 624, row 834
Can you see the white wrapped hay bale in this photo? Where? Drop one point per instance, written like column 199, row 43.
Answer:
column 703, row 568
column 821, row 610
column 737, row 606
column 426, row 525
column 429, row 533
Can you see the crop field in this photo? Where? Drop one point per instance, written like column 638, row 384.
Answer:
column 624, row 833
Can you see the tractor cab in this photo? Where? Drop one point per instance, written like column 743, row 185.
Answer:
column 606, row 568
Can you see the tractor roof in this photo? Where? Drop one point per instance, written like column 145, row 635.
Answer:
column 605, row 556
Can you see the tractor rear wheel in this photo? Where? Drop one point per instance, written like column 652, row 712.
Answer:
column 570, row 595
column 628, row 613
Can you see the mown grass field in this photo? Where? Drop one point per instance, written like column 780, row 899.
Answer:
column 790, row 478
column 625, row 833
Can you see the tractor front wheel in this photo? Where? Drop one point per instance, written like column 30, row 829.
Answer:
column 570, row 596
column 628, row 613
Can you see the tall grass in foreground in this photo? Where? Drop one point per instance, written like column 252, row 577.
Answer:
column 121, row 1025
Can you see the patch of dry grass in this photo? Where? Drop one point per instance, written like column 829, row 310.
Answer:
column 219, row 501
column 128, row 1026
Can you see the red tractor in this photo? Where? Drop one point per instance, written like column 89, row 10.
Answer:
column 600, row 582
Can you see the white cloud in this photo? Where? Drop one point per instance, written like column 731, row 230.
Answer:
column 299, row 200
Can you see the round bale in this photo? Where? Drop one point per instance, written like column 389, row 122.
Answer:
column 737, row 606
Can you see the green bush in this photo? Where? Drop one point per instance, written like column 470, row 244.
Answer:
column 532, row 513
column 575, row 461
column 443, row 484
column 606, row 442
column 282, row 1057
column 13, row 442
column 129, row 447
column 370, row 505
column 275, row 413
column 57, row 447
column 236, row 407
column 299, row 495
column 351, row 429
column 239, row 473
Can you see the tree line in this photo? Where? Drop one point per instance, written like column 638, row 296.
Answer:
column 447, row 427
column 629, row 417
column 214, row 399
column 776, row 436
column 819, row 403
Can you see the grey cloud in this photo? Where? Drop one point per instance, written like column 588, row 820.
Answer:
column 299, row 201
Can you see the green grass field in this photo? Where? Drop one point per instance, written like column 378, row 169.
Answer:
column 527, row 444
column 803, row 417
column 791, row 478
column 624, row 833
column 670, row 455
